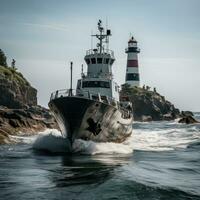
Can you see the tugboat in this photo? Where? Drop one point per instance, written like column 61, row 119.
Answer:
column 94, row 111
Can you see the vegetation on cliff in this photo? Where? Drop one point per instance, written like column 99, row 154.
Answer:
column 3, row 59
column 12, row 74
column 15, row 91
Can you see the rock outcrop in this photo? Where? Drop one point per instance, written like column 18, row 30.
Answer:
column 188, row 120
column 15, row 90
column 24, row 121
column 149, row 105
column 19, row 112
column 186, row 113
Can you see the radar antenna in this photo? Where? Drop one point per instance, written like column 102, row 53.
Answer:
column 101, row 36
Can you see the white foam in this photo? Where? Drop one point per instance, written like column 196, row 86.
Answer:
column 163, row 140
column 90, row 147
column 52, row 141
column 23, row 138
column 152, row 139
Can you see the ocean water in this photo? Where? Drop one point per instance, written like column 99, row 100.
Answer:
column 161, row 160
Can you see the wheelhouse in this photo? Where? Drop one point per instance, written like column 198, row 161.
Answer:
column 99, row 78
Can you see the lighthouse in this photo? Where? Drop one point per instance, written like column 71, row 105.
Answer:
column 132, row 72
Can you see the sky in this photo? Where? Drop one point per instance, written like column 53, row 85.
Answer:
column 45, row 36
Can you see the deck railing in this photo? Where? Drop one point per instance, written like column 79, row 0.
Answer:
column 82, row 94
column 92, row 96
column 98, row 75
column 96, row 51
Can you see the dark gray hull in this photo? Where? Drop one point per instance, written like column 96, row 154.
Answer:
column 81, row 118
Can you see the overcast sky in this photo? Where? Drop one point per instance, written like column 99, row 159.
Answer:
column 43, row 36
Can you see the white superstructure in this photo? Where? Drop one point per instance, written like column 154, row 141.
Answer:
column 99, row 77
column 132, row 72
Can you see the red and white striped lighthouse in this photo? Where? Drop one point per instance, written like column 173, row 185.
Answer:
column 132, row 72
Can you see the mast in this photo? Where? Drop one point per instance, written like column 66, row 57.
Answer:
column 101, row 36
column 70, row 90
column 100, row 59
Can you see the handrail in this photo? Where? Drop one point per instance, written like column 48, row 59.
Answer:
column 135, row 48
column 99, row 75
column 79, row 93
column 104, row 51
column 92, row 96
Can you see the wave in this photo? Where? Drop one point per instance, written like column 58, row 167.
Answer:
column 164, row 139
column 52, row 141
column 151, row 136
column 195, row 144
column 90, row 147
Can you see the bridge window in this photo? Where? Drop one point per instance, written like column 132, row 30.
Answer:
column 111, row 62
column 96, row 84
column 87, row 61
column 79, row 85
column 104, row 84
column 132, row 77
column 99, row 60
column 93, row 60
column 108, row 60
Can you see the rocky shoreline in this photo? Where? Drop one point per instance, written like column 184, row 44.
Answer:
column 149, row 105
column 27, row 121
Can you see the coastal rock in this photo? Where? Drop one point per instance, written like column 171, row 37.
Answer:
column 168, row 116
column 188, row 120
column 21, row 121
column 4, row 137
column 187, row 113
column 149, row 103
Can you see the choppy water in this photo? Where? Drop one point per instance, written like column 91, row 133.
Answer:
column 160, row 161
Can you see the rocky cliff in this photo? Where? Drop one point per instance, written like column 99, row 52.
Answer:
column 15, row 90
column 149, row 105
column 19, row 112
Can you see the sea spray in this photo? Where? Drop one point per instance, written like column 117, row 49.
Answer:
column 52, row 141
column 171, row 137
column 92, row 148
column 145, row 139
